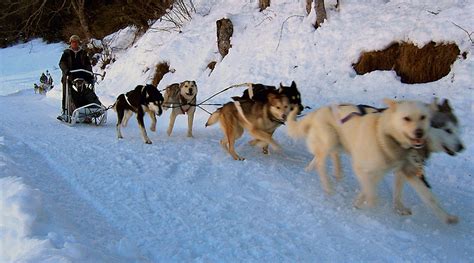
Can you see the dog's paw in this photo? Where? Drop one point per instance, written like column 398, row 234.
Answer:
column 190, row 135
column 253, row 142
column 237, row 158
column 403, row 211
column 148, row 141
column 451, row 219
column 168, row 132
column 153, row 129
column 328, row 191
column 265, row 150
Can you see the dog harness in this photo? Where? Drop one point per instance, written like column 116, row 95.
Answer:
column 241, row 112
column 128, row 102
column 362, row 111
column 184, row 110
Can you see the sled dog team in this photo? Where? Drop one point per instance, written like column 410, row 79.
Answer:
column 398, row 138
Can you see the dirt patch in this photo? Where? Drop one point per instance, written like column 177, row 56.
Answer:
column 414, row 65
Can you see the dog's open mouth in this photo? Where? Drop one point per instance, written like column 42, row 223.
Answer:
column 417, row 143
column 449, row 151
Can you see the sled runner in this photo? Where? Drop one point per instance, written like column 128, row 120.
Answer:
column 82, row 105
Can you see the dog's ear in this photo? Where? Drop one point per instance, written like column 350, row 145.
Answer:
column 445, row 107
column 281, row 88
column 293, row 84
column 194, row 83
column 392, row 104
column 434, row 105
column 271, row 96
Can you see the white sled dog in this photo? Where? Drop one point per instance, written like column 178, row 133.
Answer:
column 377, row 143
column 442, row 136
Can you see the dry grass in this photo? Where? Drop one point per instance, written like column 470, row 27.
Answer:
column 160, row 70
column 412, row 64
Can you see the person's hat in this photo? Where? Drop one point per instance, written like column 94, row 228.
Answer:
column 75, row 38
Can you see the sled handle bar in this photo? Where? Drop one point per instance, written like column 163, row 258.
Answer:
column 82, row 70
column 87, row 71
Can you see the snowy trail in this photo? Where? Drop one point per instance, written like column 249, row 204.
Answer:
column 186, row 199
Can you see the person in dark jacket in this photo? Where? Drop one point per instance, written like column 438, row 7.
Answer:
column 74, row 58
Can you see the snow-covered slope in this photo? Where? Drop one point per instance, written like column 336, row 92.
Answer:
column 85, row 196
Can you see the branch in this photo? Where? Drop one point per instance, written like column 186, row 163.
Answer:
column 281, row 29
column 468, row 34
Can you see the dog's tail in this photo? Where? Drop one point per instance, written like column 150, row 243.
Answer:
column 214, row 118
column 297, row 129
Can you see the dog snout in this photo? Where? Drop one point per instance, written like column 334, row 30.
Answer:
column 419, row 133
column 460, row 148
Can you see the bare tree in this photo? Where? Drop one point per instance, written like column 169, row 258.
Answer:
column 79, row 9
column 263, row 4
column 27, row 17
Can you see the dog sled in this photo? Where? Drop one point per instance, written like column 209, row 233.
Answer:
column 81, row 103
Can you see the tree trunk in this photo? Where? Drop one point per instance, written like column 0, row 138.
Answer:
column 308, row 6
column 225, row 29
column 320, row 13
column 78, row 6
column 263, row 4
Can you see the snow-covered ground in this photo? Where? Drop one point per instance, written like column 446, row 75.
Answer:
column 77, row 194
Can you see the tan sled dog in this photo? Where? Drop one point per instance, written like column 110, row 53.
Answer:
column 181, row 97
column 377, row 143
column 259, row 119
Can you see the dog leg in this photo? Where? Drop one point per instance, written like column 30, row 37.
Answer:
column 427, row 196
column 397, row 195
column 153, row 121
column 264, row 137
column 172, row 120
column 142, row 127
column 119, row 123
column 360, row 200
column 311, row 165
column 368, row 182
column 190, row 121
column 321, row 166
column 231, row 149
column 224, row 145
column 336, row 161
column 126, row 117
column 231, row 133
column 265, row 146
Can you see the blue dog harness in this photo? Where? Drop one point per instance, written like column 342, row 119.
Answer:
column 362, row 111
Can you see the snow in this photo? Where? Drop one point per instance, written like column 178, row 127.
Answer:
column 77, row 194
